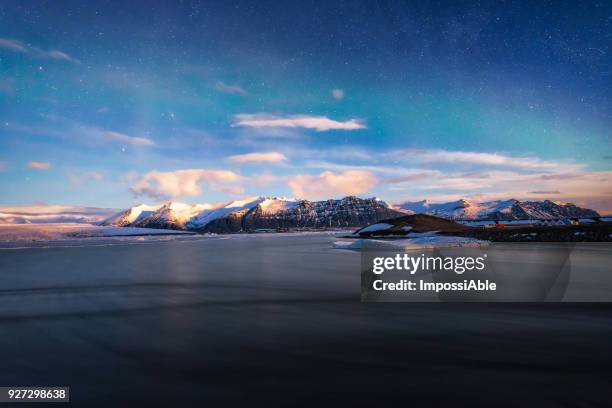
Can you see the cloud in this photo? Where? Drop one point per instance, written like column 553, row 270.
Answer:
column 469, row 161
column 131, row 140
column 45, row 213
column 178, row 183
column 79, row 133
column 79, row 178
column 13, row 45
column 329, row 184
column 409, row 178
column 23, row 48
column 318, row 123
column 545, row 192
column 253, row 137
column 337, row 94
column 39, row 165
column 230, row 89
column 269, row 157
column 479, row 158
column 435, row 158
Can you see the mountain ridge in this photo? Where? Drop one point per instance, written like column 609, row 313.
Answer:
column 510, row 209
column 282, row 213
column 257, row 213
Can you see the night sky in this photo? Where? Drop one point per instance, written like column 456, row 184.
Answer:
column 113, row 103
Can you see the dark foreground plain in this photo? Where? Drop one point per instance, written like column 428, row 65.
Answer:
column 276, row 321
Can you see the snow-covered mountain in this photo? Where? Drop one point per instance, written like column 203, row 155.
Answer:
column 257, row 213
column 231, row 209
column 348, row 212
column 131, row 215
column 171, row 215
column 501, row 209
column 279, row 213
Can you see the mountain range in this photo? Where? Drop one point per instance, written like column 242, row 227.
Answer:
column 258, row 213
column 498, row 210
column 280, row 213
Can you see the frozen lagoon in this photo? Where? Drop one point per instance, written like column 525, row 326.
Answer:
column 276, row 320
